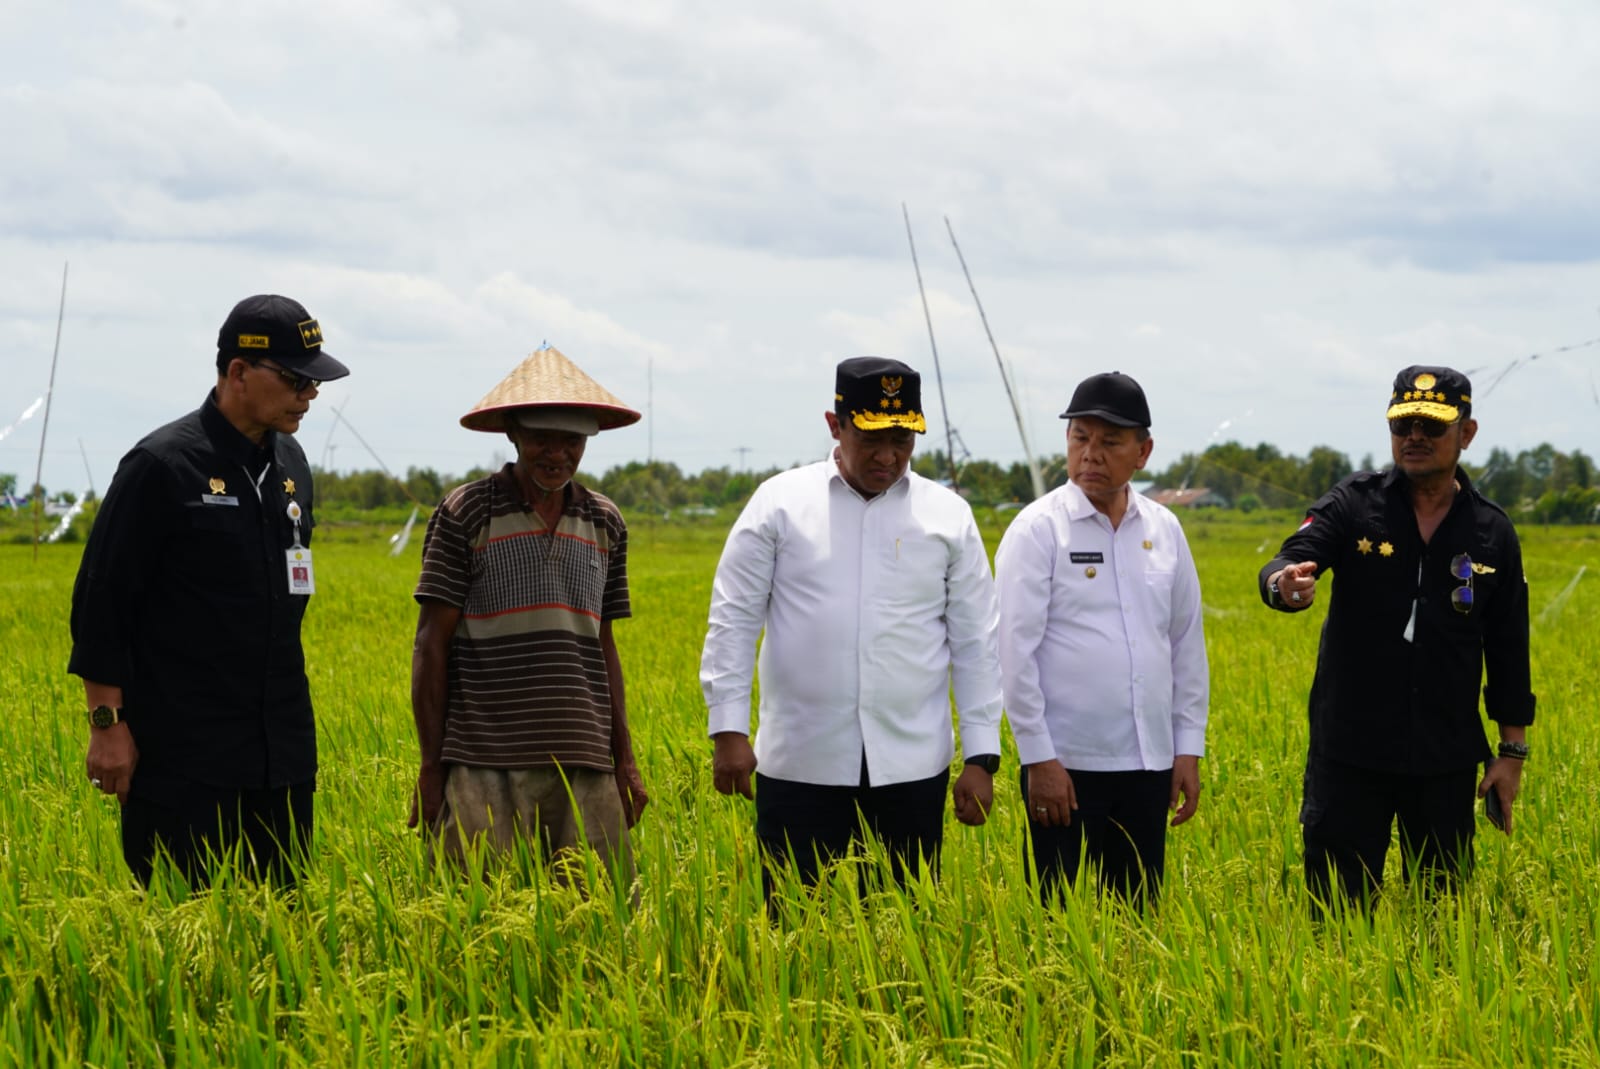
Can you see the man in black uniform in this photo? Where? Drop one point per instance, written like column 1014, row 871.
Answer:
column 1428, row 593
column 187, row 608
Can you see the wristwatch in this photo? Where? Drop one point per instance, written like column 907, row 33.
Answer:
column 1272, row 590
column 103, row 716
column 989, row 762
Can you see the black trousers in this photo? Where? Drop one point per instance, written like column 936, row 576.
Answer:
column 820, row 823
column 1120, row 825
column 1347, row 814
column 194, row 824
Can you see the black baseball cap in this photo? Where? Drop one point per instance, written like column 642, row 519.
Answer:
column 1111, row 396
column 1440, row 393
column 876, row 393
column 280, row 330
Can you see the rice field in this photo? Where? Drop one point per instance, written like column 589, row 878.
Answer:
column 381, row 959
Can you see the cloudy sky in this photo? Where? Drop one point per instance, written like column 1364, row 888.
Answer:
column 1261, row 210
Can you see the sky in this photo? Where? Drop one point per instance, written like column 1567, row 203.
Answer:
column 1262, row 211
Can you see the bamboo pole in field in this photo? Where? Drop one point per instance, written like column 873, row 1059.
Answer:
column 1027, row 450
column 44, row 429
column 944, row 410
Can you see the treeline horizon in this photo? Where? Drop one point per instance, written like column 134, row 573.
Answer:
column 1541, row 485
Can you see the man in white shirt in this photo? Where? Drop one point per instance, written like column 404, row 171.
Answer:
column 1103, row 655
column 873, row 588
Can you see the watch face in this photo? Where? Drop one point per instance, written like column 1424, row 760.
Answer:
column 102, row 716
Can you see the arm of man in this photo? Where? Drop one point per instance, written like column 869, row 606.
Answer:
column 1303, row 556
column 1508, row 693
column 430, row 658
column 630, row 784
column 972, row 622
column 1191, row 686
column 112, row 580
column 739, row 595
column 113, row 754
column 1024, row 567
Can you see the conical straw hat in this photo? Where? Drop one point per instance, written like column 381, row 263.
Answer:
column 547, row 377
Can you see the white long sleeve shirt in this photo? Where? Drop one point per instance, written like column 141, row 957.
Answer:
column 1101, row 646
column 873, row 609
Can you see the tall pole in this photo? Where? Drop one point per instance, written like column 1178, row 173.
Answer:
column 949, row 433
column 1027, row 450
column 38, row 471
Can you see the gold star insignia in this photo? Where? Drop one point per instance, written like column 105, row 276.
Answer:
column 288, row 486
column 1385, row 549
column 897, row 402
column 1148, row 544
column 1364, row 545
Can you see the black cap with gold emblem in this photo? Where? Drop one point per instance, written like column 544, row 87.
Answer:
column 1440, row 393
column 276, row 328
column 875, row 393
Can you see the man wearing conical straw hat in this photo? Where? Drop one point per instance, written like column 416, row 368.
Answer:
column 516, row 686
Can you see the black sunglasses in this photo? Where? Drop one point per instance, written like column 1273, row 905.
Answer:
column 1432, row 428
column 297, row 382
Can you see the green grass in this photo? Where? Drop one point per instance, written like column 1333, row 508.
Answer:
column 382, row 960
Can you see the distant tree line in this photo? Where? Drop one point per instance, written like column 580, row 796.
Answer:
column 1539, row 485
column 1542, row 485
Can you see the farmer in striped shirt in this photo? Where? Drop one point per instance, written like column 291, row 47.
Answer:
column 516, row 686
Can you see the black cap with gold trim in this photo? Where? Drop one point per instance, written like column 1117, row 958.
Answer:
column 875, row 393
column 1440, row 393
column 277, row 329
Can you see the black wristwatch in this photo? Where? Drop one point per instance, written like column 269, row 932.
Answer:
column 989, row 762
column 103, row 716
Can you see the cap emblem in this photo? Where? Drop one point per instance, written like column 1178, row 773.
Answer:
column 310, row 333
column 254, row 341
column 891, row 384
column 1424, row 381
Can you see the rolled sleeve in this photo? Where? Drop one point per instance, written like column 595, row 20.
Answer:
column 972, row 621
column 111, row 577
column 739, row 596
column 1024, row 565
column 1191, row 680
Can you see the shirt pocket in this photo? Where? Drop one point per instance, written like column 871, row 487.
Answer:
column 1157, row 589
column 217, row 542
column 913, row 579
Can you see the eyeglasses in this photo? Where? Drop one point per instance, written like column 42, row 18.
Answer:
column 1461, row 596
column 297, row 382
column 1432, row 428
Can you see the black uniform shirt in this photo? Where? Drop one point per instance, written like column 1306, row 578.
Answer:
column 1378, row 700
column 182, row 600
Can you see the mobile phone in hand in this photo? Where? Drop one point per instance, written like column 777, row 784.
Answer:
column 1491, row 804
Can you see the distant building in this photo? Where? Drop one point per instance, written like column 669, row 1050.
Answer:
column 1196, row 497
column 1144, row 487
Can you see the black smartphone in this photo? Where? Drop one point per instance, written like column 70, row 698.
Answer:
column 1491, row 803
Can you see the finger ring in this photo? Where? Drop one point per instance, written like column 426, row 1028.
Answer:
column 1040, row 809
column 96, row 782
column 1295, row 596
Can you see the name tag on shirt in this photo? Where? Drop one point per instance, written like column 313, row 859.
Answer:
column 219, row 499
column 301, row 579
column 1087, row 558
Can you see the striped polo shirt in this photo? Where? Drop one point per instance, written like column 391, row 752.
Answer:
column 527, row 679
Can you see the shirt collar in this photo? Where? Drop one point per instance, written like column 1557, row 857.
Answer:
column 1079, row 507
column 901, row 485
column 229, row 441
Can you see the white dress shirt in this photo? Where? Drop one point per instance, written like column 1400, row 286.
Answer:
column 873, row 609
column 1101, row 646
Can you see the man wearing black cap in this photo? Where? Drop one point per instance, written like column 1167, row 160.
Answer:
column 187, row 608
column 1428, row 596
column 1103, row 655
column 872, row 586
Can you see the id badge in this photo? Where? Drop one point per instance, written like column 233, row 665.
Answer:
column 301, row 579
